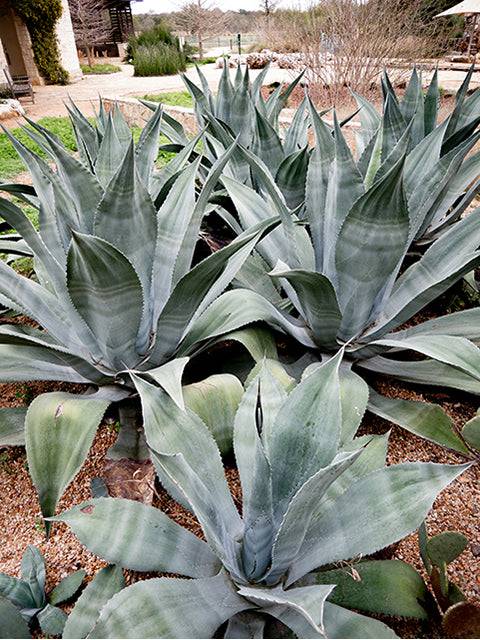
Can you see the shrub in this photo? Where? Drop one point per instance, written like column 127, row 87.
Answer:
column 159, row 34
column 158, row 60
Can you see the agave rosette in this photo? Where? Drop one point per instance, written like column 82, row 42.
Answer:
column 312, row 495
column 116, row 290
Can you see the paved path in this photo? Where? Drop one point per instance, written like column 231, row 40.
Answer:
column 50, row 99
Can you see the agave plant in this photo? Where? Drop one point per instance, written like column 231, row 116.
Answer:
column 238, row 109
column 440, row 180
column 351, row 282
column 312, row 496
column 31, row 603
column 116, row 290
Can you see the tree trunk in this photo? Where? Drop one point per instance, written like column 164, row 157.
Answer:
column 90, row 56
column 200, row 45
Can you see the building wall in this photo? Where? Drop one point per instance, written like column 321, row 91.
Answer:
column 66, row 44
column 16, row 46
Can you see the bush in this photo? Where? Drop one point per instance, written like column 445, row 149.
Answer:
column 159, row 34
column 158, row 60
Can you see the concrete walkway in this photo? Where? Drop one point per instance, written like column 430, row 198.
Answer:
column 49, row 100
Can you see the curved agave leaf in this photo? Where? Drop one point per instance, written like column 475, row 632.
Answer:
column 254, row 418
column 426, row 420
column 342, row 623
column 235, row 309
column 245, row 625
column 67, row 587
column 215, row 400
column 16, row 591
column 100, row 279
column 12, row 421
column 300, row 512
column 56, row 447
column 291, row 177
column 51, row 620
column 317, row 303
column 451, row 350
column 126, row 218
column 12, row 625
column 306, row 601
column 32, row 570
column 345, row 186
column 82, row 619
column 147, row 539
column 370, row 247
column 266, row 143
column 170, row 608
column 172, row 222
column 146, row 151
column 388, row 587
column 429, row 372
column 366, row 511
column 200, row 287
column 184, row 450
column 464, row 324
column 313, row 447
column 450, row 257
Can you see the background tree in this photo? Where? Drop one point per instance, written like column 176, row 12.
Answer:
column 91, row 25
column 201, row 19
column 268, row 6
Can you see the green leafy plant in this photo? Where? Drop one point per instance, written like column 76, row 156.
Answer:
column 158, row 60
column 312, row 496
column 116, row 286
column 32, row 604
column 158, row 34
column 394, row 588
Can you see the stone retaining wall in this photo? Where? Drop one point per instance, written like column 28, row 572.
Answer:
column 136, row 113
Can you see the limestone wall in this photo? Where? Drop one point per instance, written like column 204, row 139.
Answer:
column 66, row 44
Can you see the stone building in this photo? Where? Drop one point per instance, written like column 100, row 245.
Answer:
column 16, row 50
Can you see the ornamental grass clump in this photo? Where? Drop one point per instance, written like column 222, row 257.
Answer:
column 313, row 495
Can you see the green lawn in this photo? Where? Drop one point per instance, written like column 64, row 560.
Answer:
column 11, row 165
column 100, row 68
column 173, row 98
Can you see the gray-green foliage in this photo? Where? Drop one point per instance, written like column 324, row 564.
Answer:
column 116, row 288
column 313, row 495
column 31, row 603
column 351, row 281
column 239, row 110
column 419, row 112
